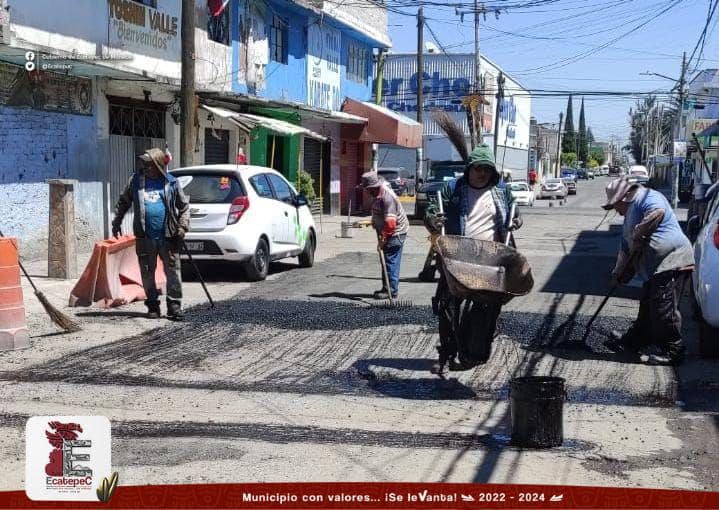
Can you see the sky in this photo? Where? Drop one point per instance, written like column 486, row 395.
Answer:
column 589, row 34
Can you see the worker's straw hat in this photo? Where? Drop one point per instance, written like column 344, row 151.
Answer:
column 618, row 190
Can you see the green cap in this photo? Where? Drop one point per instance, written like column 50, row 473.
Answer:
column 481, row 155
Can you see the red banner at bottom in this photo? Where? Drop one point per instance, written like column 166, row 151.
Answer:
column 379, row 496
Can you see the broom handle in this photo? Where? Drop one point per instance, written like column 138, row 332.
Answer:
column 385, row 274
column 32, row 284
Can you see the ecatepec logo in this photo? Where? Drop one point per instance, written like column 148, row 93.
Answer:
column 67, row 457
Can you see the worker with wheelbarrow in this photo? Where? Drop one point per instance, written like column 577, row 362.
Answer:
column 654, row 248
column 481, row 211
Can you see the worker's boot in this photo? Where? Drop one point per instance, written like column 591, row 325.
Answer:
column 153, row 309
column 174, row 311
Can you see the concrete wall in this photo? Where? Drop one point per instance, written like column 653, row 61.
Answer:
column 213, row 67
column 36, row 146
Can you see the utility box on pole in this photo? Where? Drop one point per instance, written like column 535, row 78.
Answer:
column 61, row 250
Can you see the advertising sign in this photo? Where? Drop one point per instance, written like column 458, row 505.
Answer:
column 323, row 68
column 699, row 125
column 141, row 29
column 680, row 149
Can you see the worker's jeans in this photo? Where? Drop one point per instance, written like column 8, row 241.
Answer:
column 659, row 321
column 393, row 259
column 147, row 252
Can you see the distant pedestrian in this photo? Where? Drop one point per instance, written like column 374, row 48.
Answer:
column 390, row 221
column 654, row 248
column 161, row 220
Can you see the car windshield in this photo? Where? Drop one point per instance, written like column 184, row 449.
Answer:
column 389, row 175
column 210, row 188
column 445, row 172
column 519, row 186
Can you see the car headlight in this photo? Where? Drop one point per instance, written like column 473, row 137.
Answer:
column 421, row 196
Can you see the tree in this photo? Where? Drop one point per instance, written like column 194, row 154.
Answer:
column 582, row 136
column 569, row 140
column 597, row 155
column 592, row 163
column 569, row 158
column 590, row 137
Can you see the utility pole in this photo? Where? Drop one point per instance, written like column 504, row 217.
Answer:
column 559, row 145
column 420, row 88
column 678, row 135
column 499, row 98
column 478, row 85
column 378, row 101
column 187, row 83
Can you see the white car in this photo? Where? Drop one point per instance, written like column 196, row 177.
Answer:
column 246, row 214
column 553, row 188
column 706, row 271
column 522, row 193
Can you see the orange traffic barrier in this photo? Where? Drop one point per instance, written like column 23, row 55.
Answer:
column 112, row 276
column 13, row 329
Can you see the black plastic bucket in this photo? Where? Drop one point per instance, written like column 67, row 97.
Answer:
column 537, row 405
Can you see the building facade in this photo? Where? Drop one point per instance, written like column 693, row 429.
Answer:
column 447, row 80
column 86, row 85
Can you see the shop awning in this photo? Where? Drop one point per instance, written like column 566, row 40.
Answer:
column 247, row 122
column 384, row 125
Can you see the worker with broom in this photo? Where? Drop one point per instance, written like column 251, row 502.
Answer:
column 478, row 206
column 654, row 248
column 161, row 219
column 391, row 224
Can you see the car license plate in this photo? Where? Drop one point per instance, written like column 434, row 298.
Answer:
column 195, row 245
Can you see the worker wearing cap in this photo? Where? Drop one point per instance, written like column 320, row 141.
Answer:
column 654, row 248
column 391, row 223
column 161, row 219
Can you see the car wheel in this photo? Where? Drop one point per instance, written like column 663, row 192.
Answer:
column 257, row 268
column 307, row 257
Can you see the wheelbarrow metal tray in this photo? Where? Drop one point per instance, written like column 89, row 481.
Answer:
column 483, row 269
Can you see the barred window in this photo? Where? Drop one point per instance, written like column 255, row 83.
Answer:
column 218, row 27
column 279, row 40
column 357, row 63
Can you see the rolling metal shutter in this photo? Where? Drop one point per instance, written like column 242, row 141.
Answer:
column 217, row 146
column 313, row 161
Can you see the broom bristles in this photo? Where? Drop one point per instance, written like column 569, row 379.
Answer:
column 56, row 316
column 453, row 131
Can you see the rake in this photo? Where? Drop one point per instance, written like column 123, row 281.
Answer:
column 391, row 303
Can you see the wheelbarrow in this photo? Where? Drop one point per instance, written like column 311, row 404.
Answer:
column 476, row 279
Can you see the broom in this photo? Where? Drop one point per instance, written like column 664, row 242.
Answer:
column 56, row 316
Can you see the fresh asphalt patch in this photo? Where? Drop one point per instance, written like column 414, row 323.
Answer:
column 313, row 331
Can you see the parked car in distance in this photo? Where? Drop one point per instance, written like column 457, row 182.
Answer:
column 522, row 193
column 571, row 186
column 615, row 171
column 553, row 188
column 439, row 173
column 246, row 214
column 581, row 174
column 590, row 173
column 398, row 179
column 569, row 173
column 706, row 271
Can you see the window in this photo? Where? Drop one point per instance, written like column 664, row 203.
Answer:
column 149, row 3
column 282, row 189
column 357, row 63
column 205, row 188
column 278, row 40
column 262, row 187
column 218, row 27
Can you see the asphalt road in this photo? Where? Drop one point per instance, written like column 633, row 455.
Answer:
column 301, row 377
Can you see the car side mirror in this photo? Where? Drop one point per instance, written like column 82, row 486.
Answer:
column 301, row 200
